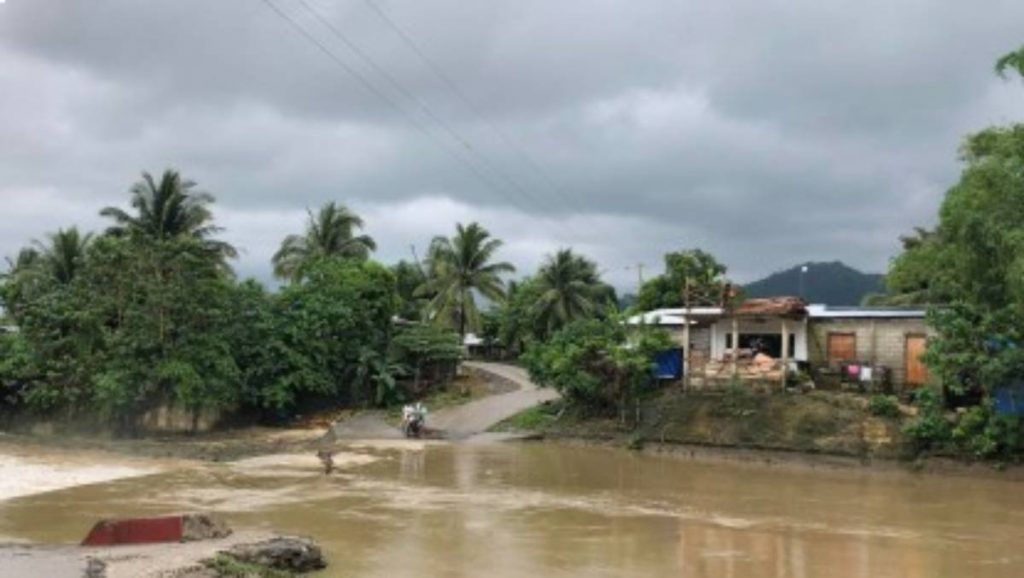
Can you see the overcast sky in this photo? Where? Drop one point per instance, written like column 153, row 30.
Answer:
column 768, row 132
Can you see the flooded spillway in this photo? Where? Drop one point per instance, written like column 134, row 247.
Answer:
column 502, row 510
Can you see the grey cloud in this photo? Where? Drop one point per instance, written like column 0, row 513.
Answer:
column 767, row 132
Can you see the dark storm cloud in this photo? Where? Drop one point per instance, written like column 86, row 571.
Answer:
column 767, row 132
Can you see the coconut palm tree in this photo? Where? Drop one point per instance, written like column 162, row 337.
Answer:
column 329, row 233
column 57, row 261
column 570, row 289
column 458, row 268
column 24, row 273
column 63, row 255
column 169, row 209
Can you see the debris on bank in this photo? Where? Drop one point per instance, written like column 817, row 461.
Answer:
column 187, row 546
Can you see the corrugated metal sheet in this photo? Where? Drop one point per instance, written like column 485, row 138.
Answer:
column 830, row 312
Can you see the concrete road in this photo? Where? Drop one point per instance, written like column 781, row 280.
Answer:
column 463, row 421
column 475, row 417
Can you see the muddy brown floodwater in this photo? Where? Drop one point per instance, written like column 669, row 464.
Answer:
column 544, row 510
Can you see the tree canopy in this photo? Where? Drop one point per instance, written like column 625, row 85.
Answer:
column 705, row 275
column 146, row 316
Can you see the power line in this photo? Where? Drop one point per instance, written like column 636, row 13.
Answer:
column 400, row 87
column 468, row 103
column 369, row 86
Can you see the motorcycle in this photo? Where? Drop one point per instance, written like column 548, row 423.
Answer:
column 414, row 418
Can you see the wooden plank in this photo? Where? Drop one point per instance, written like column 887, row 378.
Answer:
column 917, row 371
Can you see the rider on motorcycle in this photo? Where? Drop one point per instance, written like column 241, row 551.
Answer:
column 413, row 419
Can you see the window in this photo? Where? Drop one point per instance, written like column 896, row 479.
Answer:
column 842, row 346
column 768, row 343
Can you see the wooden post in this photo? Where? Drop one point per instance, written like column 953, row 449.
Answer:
column 874, row 344
column 785, row 353
column 686, row 336
column 735, row 346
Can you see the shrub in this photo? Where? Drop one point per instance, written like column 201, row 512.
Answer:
column 597, row 362
column 984, row 434
column 930, row 429
column 884, row 406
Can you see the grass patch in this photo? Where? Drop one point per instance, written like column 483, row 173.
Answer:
column 226, row 566
column 535, row 418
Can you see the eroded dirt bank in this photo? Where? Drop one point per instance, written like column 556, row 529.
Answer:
column 817, row 430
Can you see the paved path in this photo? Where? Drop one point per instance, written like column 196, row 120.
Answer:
column 463, row 421
column 478, row 416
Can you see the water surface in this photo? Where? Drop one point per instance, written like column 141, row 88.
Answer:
column 544, row 510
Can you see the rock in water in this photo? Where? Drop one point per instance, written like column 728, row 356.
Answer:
column 289, row 553
column 198, row 527
column 95, row 568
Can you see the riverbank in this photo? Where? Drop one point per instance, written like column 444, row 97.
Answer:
column 815, row 430
column 256, row 554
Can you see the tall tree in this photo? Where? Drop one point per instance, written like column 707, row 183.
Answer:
column 570, row 289
column 169, row 209
column 459, row 267
column 329, row 233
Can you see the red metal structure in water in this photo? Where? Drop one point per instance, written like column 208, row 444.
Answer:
column 136, row 531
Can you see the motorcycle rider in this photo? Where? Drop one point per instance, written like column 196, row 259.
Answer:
column 413, row 419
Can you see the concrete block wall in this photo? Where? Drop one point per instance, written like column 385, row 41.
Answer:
column 880, row 341
column 700, row 337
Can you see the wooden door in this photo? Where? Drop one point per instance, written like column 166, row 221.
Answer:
column 917, row 372
column 842, row 347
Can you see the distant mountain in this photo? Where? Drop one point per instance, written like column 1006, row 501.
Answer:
column 832, row 283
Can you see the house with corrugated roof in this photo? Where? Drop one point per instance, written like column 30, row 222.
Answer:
column 767, row 340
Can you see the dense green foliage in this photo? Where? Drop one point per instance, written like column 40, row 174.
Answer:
column 704, row 274
column 408, row 278
column 517, row 321
column 148, row 315
column 884, row 406
column 567, row 288
column 972, row 264
column 427, row 353
column 597, row 362
column 977, row 432
column 970, row 268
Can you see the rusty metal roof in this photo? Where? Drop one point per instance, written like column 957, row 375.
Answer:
column 771, row 306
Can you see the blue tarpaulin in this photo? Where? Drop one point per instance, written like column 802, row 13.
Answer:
column 1009, row 399
column 669, row 364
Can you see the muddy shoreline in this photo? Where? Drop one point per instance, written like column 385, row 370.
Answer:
column 790, row 459
column 253, row 442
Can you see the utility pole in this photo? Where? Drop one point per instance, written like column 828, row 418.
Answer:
column 639, row 275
